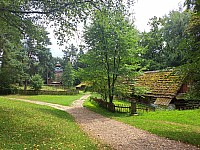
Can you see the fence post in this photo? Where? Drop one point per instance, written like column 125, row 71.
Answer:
column 111, row 107
column 133, row 107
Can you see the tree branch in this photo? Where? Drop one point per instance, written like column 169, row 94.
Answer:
column 13, row 24
column 50, row 11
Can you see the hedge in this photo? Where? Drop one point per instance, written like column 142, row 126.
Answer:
column 44, row 92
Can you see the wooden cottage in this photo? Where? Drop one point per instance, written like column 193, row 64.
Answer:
column 164, row 88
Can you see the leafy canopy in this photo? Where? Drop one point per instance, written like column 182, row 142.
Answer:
column 113, row 51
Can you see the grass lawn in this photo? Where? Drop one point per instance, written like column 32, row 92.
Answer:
column 65, row 100
column 178, row 125
column 31, row 126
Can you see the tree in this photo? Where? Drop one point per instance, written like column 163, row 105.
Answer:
column 153, row 41
column 193, row 5
column 68, row 75
column 25, row 19
column 66, row 14
column 71, row 54
column 113, row 51
column 164, row 41
column 36, row 82
column 193, row 41
column 46, row 64
column 22, row 58
column 9, row 68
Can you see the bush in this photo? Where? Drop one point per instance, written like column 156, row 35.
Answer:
column 36, row 82
column 43, row 92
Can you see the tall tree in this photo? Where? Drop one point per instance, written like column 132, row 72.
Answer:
column 46, row 64
column 112, row 51
column 164, row 41
column 22, row 56
column 70, row 54
column 193, row 65
column 68, row 75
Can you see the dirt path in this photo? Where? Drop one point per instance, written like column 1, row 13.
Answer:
column 116, row 134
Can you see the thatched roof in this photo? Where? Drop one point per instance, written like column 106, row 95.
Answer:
column 163, row 85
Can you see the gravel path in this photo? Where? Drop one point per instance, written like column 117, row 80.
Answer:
column 116, row 134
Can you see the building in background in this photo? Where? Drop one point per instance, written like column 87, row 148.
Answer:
column 165, row 88
column 58, row 71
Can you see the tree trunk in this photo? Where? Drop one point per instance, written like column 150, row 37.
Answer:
column 110, row 98
column 25, row 85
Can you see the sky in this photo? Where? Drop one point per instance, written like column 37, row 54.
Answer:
column 143, row 11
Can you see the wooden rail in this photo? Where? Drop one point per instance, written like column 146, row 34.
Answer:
column 123, row 108
column 120, row 107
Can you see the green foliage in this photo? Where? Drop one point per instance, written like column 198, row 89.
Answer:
column 63, row 14
column 68, row 75
column 22, row 57
column 23, row 38
column 43, row 92
column 164, row 41
column 193, row 5
column 174, row 41
column 193, row 65
column 30, row 126
column 113, row 51
column 71, row 54
column 36, row 82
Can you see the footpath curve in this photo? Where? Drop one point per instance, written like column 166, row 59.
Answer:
column 116, row 134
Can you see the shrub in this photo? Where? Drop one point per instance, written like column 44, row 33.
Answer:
column 36, row 82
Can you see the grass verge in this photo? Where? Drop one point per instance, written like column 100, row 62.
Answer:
column 30, row 126
column 65, row 100
column 177, row 125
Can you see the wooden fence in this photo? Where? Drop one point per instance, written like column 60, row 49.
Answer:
column 121, row 107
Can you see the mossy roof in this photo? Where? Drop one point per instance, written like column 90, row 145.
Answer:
column 160, row 84
column 83, row 84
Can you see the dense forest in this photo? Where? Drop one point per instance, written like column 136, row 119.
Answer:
column 114, row 48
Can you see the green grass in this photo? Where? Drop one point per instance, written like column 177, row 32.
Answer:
column 65, row 100
column 178, row 125
column 31, row 126
column 115, row 101
column 121, row 102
